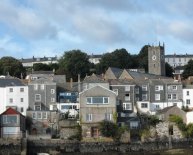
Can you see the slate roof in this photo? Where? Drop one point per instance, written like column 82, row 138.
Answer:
column 165, row 109
column 10, row 82
column 143, row 76
column 94, row 79
column 42, row 81
column 116, row 71
column 121, row 82
column 179, row 56
column 33, row 59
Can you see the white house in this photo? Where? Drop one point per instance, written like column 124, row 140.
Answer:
column 188, row 96
column 14, row 94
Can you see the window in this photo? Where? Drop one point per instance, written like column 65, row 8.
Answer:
column 21, row 89
column 174, row 87
column 172, row 96
column 127, row 106
column 35, row 87
column 108, row 116
column 157, row 106
column 137, row 90
column 44, row 115
column 42, row 86
column 134, row 125
column 127, row 97
column 97, row 100
column 144, row 105
column 21, row 99
column 52, row 91
column 21, row 109
column 52, row 99
column 37, row 97
column 9, row 119
column 88, row 117
column 187, row 101
column 174, row 104
column 11, row 100
column 37, row 107
column 34, row 115
column 158, row 87
column 187, row 93
column 116, row 91
column 144, row 96
column 39, row 115
column 144, row 87
column 127, row 88
column 10, row 90
column 157, row 97
column 169, row 96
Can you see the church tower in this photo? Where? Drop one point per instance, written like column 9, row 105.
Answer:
column 156, row 60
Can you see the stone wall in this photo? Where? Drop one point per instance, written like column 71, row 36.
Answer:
column 62, row 146
column 12, row 146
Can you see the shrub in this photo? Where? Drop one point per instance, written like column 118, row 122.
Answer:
column 108, row 129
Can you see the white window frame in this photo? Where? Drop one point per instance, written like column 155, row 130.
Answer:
column 35, row 86
column 10, row 100
column 108, row 116
column 144, row 97
column 39, row 115
column 144, row 105
column 91, row 100
column 127, row 98
column 89, row 118
column 157, row 97
column 37, row 100
column 125, row 106
column 53, row 99
column 144, row 87
column 127, row 88
column 11, row 90
column 187, row 101
column 42, row 86
column 21, row 89
column 21, row 100
column 34, row 116
column 52, row 91
column 44, row 115
column 174, row 87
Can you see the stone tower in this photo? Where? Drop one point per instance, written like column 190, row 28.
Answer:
column 156, row 60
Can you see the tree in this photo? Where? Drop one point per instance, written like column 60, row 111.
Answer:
column 142, row 58
column 73, row 63
column 169, row 70
column 108, row 129
column 41, row 67
column 11, row 66
column 119, row 58
column 188, row 70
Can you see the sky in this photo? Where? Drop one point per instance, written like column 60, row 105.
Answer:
column 50, row 27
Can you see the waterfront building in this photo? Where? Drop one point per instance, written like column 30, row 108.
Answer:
column 13, row 93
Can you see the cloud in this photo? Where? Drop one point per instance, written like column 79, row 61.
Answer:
column 9, row 47
column 25, row 21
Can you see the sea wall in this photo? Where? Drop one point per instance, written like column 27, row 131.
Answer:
column 61, row 146
column 12, row 146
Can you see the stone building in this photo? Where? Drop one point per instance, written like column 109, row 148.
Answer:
column 96, row 104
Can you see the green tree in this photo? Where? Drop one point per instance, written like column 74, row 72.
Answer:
column 119, row 58
column 108, row 129
column 73, row 63
column 41, row 67
column 11, row 66
column 142, row 58
column 169, row 70
column 188, row 70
